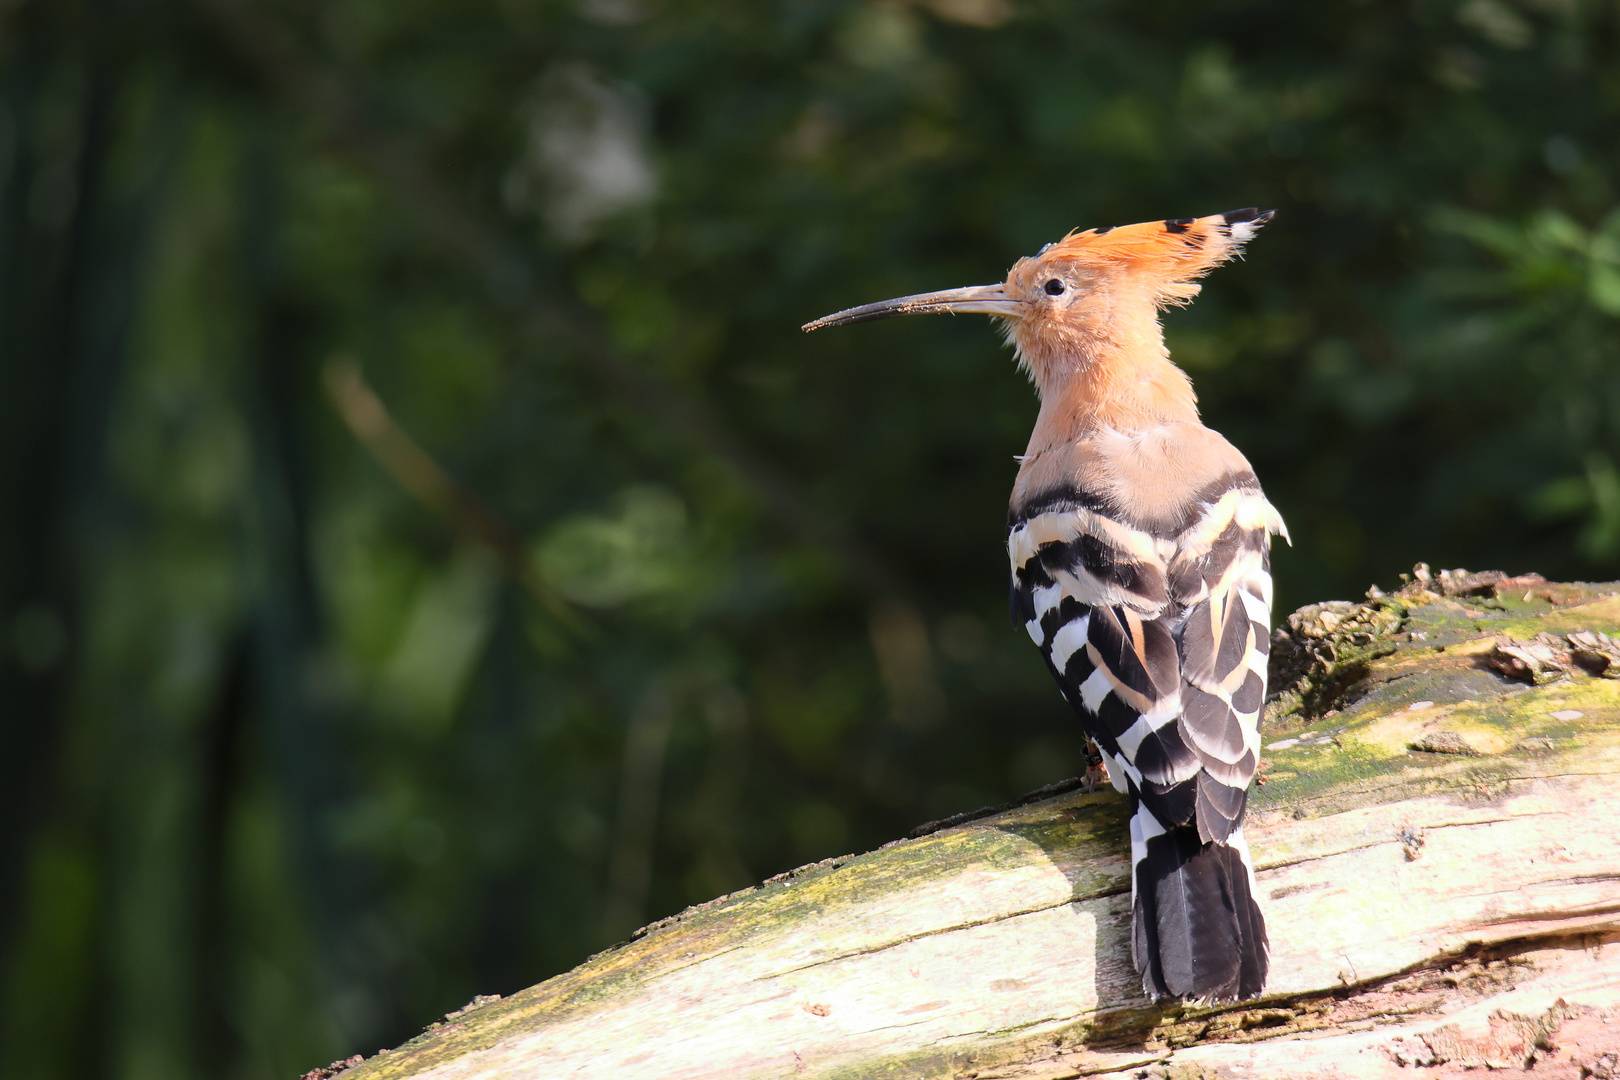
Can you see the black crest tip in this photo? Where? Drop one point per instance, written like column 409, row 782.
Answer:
column 1248, row 214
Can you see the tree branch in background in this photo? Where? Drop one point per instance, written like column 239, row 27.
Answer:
column 416, row 471
column 324, row 95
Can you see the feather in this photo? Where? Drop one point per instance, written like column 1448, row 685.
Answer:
column 1169, row 254
column 1158, row 639
column 1220, row 808
column 1198, row 932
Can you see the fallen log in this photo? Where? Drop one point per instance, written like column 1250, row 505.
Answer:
column 1437, row 832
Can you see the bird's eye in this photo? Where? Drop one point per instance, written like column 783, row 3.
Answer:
column 1054, row 287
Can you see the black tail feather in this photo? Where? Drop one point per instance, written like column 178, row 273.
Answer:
column 1198, row 931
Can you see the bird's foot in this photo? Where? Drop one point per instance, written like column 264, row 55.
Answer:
column 1095, row 767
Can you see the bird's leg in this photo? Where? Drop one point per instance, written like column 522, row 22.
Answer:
column 1094, row 766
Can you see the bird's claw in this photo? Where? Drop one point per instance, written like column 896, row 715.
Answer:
column 1095, row 767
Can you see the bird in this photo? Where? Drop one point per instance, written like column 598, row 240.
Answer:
column 1139, row 542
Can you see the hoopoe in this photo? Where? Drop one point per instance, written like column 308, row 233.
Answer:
column 1140, row 549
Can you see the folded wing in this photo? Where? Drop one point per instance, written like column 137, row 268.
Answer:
column 1158, row 637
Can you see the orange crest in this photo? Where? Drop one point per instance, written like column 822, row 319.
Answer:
column 1164, row 255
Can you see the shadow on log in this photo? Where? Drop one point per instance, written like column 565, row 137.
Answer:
column 1437, row 831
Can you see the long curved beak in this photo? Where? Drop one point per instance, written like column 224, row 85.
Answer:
column 976, row 299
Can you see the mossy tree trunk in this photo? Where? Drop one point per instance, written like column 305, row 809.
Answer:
column 1439, row 860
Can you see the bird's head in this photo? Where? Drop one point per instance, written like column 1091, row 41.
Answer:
column 1085, row 309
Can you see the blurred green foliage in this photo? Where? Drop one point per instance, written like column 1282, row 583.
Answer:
column 301, row 750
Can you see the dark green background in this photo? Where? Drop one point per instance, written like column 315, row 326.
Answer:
column 290, row 763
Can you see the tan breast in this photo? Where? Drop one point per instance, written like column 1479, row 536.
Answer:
column 1156, row 477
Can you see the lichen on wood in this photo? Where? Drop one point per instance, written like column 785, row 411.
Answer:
column 1437, row 858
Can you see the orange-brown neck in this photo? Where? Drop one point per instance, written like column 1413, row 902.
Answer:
column 1102, row 364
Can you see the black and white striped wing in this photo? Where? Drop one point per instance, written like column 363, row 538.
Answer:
column 1220, row 576
column 1159, row 643
column 1094, row 594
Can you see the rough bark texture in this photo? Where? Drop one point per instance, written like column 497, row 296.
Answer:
column 1438, row 838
